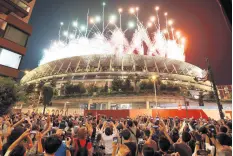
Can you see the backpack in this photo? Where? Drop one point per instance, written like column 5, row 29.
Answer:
column 82, row 151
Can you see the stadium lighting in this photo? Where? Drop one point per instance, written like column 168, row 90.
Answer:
column 165, row 31
column 75, row 24
column 170, row 22
column 97, row 18
column 131, row 10
column 131, row 24
column 183, row 40
column 152, row 18
column 26, row 72
column 91, row 20
column 65, row 33
column 82, row 28
column 178, row 34
column 120, row 10
column 112, row 19
column 149, row 24
column 72, row 36
column 154, row 77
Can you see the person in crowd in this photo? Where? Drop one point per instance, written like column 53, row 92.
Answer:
column 36, row 134
column 82, row 144
column 52, row 145
column 148, row 151
column 182, row 147
column 134, row 131
column 108, row 132
column 126, row 135
column 223, row 129
column 148, row 140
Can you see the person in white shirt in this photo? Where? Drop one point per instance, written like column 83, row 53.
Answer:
column 108, row 132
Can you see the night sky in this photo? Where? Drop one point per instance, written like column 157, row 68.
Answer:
column 201, row 21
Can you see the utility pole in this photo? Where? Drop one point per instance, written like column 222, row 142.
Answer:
column 210, row 72
column 186, row 107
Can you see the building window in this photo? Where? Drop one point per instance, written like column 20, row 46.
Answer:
column 22, row 5
column 2, row 27
column 9, row 58
column 15, row 35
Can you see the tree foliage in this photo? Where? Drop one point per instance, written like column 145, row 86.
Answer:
column 92, row 88
column 8, row 94
column 74, row 89
column 47, row 92
column 117, row 84
column 53, row 82
column 30, row 88
column 147, row 85
column 127, row 85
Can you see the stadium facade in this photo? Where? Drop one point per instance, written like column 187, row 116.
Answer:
column 100, row 69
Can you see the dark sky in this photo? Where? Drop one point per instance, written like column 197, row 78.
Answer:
column 201, row 20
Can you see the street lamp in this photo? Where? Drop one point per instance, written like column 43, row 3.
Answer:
column 156, row 102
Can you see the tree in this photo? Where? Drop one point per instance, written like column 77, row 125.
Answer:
column 134, row 78
column 53, row 82
column 47, row 92
column 211, row 95
column 30, row 88
column 8, row 94
column 105, row 88
column 40, row 85
column 117, row 84
column 92, row 88
column 127, row 85
column 200, row 99
column 74, row 89
column 82, row 88
column 143, row 85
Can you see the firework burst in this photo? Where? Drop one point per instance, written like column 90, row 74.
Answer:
column 89, row 39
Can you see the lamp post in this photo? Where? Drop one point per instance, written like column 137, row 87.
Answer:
column 156, row 102
column 211, row 75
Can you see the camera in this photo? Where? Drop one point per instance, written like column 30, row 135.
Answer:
column 155, row 126
column 115, row 139
column 203, row 152
column 140, row 144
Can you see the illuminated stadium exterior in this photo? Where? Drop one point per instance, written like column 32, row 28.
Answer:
column 100, row 69
column 93, row 55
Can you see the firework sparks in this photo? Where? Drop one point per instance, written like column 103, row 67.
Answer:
column 94, row 42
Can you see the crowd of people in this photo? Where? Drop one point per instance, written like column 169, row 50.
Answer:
column 98, row 135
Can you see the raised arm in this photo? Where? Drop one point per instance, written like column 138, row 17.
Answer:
column 16, row 142
column 164, row 130
column 18, row 123
column 48, row 126
column 39, row 142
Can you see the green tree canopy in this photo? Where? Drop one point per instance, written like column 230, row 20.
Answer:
column 8, row 94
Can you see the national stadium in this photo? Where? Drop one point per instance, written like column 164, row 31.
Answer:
column 91, row 55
